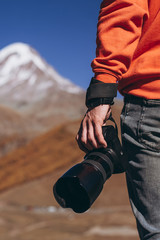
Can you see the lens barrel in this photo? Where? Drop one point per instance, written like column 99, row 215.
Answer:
column 79, row 187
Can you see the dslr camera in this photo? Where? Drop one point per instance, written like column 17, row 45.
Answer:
column 80, row 186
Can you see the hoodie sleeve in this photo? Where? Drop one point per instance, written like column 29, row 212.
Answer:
column 118, row 32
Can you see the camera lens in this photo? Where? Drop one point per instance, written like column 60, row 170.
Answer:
column 72, row 194
column 79, row 187
column 101, row 159
column 76, row 188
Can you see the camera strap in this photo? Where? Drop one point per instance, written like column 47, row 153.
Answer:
column 112, row 119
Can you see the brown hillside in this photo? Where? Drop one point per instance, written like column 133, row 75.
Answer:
column 11, row 122
column 45, row 154
column 41, row 156
column 15, row 130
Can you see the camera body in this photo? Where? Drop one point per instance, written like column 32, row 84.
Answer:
column 80, row 186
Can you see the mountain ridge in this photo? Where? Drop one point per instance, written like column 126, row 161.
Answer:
column 29, row 85
column 16, row 55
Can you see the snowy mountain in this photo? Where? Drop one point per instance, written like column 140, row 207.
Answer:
column 31, row 86
column 20, row 64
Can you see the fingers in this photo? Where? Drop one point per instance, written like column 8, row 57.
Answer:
column 82, row 138
column 99, row 136
column 90, row 136
column 81, row 146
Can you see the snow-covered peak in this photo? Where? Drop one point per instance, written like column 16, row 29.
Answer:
column 21, row 63
column 19, row 54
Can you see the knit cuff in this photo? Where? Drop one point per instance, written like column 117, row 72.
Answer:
column 98, row 89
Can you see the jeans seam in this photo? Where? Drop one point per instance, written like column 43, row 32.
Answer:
column 139, row 135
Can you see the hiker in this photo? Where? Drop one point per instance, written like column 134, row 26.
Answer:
column 128, row 59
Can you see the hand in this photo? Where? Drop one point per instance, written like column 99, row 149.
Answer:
column 90, row 134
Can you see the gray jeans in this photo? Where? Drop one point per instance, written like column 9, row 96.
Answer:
column 140, row 125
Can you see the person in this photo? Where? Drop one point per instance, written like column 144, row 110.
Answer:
column 128, row 59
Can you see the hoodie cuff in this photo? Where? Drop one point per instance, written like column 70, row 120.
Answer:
column 98, row 89
column 99, row 101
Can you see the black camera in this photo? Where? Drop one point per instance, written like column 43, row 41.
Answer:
column 79, row 187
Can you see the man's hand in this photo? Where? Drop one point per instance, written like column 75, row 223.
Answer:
column 90, row 133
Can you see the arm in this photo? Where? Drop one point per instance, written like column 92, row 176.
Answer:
column 118, row 33
column 119, row 29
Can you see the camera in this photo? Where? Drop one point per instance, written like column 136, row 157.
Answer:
column 80, row 186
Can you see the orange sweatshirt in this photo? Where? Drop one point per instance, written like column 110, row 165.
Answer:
column 128, row 46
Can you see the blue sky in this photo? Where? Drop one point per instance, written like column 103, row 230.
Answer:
column 63, row 32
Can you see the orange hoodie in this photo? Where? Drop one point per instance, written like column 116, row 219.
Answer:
column 128, row 46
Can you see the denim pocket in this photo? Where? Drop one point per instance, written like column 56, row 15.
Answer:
column 149, row 128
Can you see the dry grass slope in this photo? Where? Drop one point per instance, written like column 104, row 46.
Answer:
column 15, row 130
column 43, row 155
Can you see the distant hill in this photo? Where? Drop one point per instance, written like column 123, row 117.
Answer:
column 45, row 154
column 29, row 85
column 15, row 130
column 34, row 98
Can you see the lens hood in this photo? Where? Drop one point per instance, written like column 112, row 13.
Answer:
column 79, row 187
